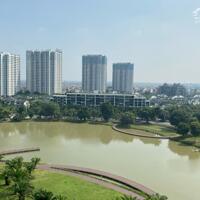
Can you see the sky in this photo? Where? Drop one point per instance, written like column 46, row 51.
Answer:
column 161, row 37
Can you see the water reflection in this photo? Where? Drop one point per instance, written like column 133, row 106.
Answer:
column 152, row 162
column 83, row 132
column 183, row 150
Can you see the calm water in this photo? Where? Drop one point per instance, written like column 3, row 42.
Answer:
column 164, row 166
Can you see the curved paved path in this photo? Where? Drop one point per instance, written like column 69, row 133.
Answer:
column 93, row 180
column 118, row 179
column 141, row 135
column 17, row 151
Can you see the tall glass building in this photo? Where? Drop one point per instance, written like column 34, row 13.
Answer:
column 122, row 80
column 9, row 74
column 44, row 71
column 94, row 73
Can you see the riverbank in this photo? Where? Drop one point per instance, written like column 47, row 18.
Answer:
column 100, row 147
column 141, row 133
column 139, row 130
column 160, row 132
column 61, row 184
column 75, row 182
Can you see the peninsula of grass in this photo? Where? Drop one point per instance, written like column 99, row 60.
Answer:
column 61, row 184
column 163, row 130
column 160, row 130
column 190, row 141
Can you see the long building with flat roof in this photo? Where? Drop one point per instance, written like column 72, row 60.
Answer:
column 95, row 100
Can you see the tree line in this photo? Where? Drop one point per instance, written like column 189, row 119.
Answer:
column 185, row 118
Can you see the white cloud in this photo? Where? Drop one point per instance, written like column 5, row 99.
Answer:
column 196, row 15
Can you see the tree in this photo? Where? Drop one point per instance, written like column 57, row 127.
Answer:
column 106, row 111
column 49, row 109
column 31, row 166
column 156, row 197
column 126, row 198
column 146, row 114
column 197, row 115
column 42, row 194
column 5, row 111
column 83, row 114
column 20, row 174
column 161, row 114
column 183, row 128
column 177, row 116
column 127, row 119
column 22, row 186
column 6, row 174
column 195, row 128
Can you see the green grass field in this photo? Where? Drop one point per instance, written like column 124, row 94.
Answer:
column 166, row 131
column 191, row 141
column 71, row 187
column 155, row 129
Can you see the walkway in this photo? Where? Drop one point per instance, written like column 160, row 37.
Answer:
column 117, row 183
column 141, row 135
column 105, row 179
column 18, row 151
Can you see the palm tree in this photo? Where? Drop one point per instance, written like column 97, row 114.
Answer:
column 22, row 188
column 30, row 166
column 5, row 174
column 126, row 198
column 20, row 173
column 60, row 197
column 42, row 194
column 157, row 197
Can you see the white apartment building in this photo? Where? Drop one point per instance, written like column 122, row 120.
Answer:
column 94, row 73
column 44, row 71
column 9, row 74
column 122, row 80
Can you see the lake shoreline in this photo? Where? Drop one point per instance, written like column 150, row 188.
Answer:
column 182, row 140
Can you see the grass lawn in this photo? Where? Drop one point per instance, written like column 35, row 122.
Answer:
column 190, row 141
column 155, row 129
column 71, row 187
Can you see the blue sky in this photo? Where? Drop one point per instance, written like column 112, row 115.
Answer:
column 162, row 37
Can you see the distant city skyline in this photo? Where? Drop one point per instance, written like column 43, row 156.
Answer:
column 160, row 37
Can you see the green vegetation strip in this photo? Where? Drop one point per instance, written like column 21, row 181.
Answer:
column 156, row 129
column 71, row 187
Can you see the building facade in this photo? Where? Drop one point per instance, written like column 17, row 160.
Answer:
column 95, row 100
column 44, row 71
column 122, row 80
column 9, row 74
column 94, row 73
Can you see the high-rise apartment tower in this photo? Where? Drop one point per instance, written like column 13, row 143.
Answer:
column 44, row 71
column 94, row 73
column 122, row 80
column 9, row 74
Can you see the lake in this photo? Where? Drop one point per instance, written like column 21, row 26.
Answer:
column 164, row 166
